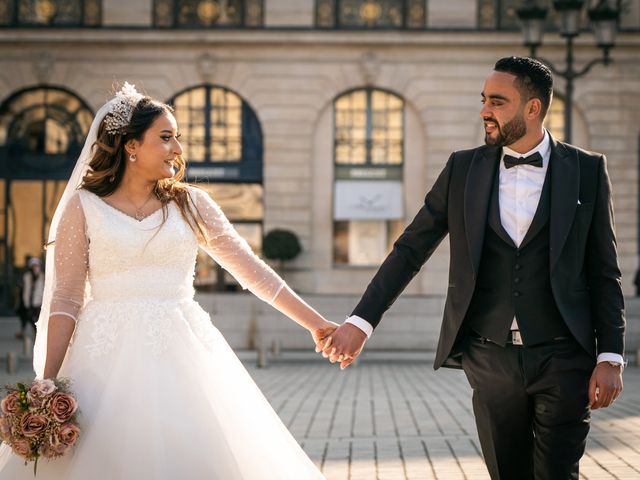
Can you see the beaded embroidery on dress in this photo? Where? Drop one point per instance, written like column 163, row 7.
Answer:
column 161, row 393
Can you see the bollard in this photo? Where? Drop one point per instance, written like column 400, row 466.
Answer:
column 27, row 346
column 12, row 363
column 262, row 357
column 253, row 332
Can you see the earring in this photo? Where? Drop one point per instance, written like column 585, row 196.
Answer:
column 112, row 178
column 132, row 157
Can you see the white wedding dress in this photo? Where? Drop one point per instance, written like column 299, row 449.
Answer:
column 161, row 393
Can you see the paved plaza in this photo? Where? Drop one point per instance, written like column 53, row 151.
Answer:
column 396, row 419
column 401, row 420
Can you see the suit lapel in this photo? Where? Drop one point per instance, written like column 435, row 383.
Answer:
column 565, row 187
column 477, row 193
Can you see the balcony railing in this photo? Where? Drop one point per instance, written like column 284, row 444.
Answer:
column 208, row 13
column 371, row 14
column 50, row 13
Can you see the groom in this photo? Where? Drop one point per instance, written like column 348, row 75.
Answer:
column 534, row 309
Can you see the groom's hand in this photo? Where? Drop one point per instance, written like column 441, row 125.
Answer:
column 605, row 385
column 348, row 340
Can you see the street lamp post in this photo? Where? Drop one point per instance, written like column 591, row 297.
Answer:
column 604, row 20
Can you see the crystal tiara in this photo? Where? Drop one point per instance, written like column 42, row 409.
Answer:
column 121, row 109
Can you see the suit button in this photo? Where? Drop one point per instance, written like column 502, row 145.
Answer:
column 517, row 254
column 516, row 293
column 518, row 266
column 516, row 280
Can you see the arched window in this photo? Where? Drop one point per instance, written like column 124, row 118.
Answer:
column 369, row 128
column 208, row 13
column 222, row 144
column 391, row 14
column 211, row 121
column 51, row 13
column 218, row 127
column 554, row 122
column 42, row 130
column 368, row 161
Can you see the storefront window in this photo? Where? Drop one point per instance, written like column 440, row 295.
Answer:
column 222, row 144
column 368, row 189
column 42, row 130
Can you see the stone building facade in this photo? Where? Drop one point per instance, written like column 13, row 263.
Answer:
column 333, row 102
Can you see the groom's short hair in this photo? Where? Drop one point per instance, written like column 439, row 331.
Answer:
column 533, row 79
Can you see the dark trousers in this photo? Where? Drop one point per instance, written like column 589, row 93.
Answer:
column 30, row 317
column 531, row 407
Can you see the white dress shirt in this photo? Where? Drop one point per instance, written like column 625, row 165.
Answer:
column 519, row 194
column 520, row 189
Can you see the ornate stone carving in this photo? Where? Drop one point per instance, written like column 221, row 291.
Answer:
column 370, row 67
column 43, row 66
column 207, row 67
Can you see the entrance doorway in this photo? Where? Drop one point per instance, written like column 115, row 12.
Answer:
column 42, row 130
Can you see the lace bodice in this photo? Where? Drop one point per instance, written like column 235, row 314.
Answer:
column 124, row 259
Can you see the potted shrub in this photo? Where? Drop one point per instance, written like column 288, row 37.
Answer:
column 281, row 246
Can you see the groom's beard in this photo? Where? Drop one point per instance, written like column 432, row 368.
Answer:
column 511, row 132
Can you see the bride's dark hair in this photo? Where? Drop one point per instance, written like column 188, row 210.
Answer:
column 107, row 165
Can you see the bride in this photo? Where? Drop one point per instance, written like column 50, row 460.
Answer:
column 161, row 393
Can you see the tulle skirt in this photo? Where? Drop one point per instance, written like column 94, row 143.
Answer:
column 162, row 396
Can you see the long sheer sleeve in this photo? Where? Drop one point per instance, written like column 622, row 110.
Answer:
column 70, row 261
column 232, row 252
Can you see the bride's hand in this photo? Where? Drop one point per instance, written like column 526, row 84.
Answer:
column 321, row 332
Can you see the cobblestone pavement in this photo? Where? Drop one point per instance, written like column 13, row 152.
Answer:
column 400, row 420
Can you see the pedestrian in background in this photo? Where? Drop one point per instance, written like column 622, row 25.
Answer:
column 32, row 290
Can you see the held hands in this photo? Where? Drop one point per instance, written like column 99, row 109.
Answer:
column 343, row 345
column 320, row 333
column 605, row 385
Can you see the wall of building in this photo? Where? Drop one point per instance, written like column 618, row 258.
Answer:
column 290, row 77
column 413, row 323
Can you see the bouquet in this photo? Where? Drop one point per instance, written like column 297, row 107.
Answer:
column 39, row 420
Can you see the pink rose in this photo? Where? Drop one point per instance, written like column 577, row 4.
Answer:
column 5, row 428
column 21, row 447
column 68, row 433
column 63, row 407
column 33, row 424
column 10, row 404
column 42, row 388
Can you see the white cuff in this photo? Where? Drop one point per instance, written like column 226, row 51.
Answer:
column 64, row 314
column 277, row 294
column 361, row 323
column 610, row 357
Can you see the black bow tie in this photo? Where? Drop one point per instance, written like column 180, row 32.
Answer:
column 534, row 159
